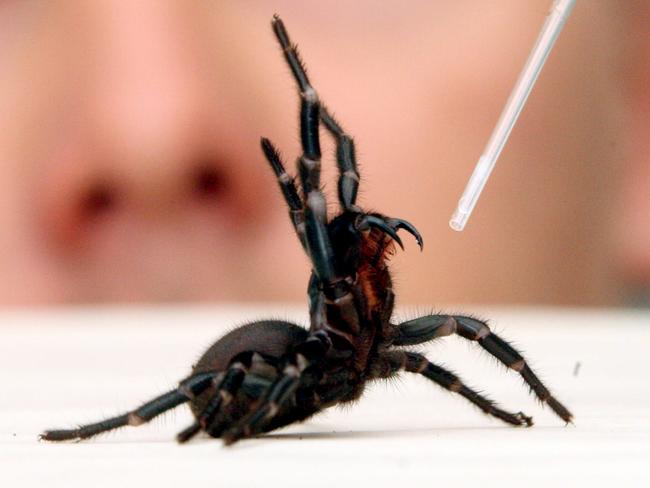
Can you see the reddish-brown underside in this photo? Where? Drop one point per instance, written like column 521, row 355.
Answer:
column 373, row 276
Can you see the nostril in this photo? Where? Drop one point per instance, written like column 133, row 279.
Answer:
column 71, row 215
column 208, row 183
column 97, row 200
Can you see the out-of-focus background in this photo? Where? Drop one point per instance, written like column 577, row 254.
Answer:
column 130, row 168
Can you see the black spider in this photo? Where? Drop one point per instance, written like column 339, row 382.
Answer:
column 268, row 374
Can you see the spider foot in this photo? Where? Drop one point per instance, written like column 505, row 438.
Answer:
column 234, row 435
column 524, row 419
column 519, row 419
column 560, row 410
column 59, row 435
column 188, row 433
column 251, row 426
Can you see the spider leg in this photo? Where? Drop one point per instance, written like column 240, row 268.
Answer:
column 336, row 289
column 189, row 432
column 311, row 110
column 188, row 389
column 391, row 362
column 282, row 390
column 254, row 386
column 317, row 238
column 249, row 372
column 254, row 376
column 226, row 384
column 278, row 395
column 309, row 162
column 430, row 327
column 348, row 184
column 424, row 329
column 288, row 187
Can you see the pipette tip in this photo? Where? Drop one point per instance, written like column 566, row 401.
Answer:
column 458, row 220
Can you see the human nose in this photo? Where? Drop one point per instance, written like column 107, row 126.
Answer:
column 149, row 99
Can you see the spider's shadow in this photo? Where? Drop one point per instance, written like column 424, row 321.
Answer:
column 367, row 434
column 359, row 434
column 347, row 434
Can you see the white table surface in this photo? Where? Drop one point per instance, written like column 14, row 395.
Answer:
column 63, row 367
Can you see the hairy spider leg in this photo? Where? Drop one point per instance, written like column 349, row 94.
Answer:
column 189, row 432
column 346, row 161
column 226, row 385
column 309, row 165
column 283, row 390
column 188, row 389
column 310, row 111
column 429, row 327
column 255, row 383
column 335, row 288
column 288, row 187
column 391, row 362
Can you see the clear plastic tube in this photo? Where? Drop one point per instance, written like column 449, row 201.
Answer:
column 555, row 20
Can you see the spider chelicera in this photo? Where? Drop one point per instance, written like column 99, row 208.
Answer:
column 270, row 373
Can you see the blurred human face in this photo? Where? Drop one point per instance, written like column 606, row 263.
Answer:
column 132, row 169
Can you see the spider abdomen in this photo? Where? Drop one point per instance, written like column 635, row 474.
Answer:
column 269, row 337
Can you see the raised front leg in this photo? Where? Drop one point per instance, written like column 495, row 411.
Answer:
column 288, row 187
column 348, row 184
column 314, row 207
column 430, row 327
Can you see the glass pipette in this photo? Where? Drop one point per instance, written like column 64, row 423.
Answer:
column 555, row 20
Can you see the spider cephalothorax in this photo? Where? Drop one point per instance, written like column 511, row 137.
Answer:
column 267, row 374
